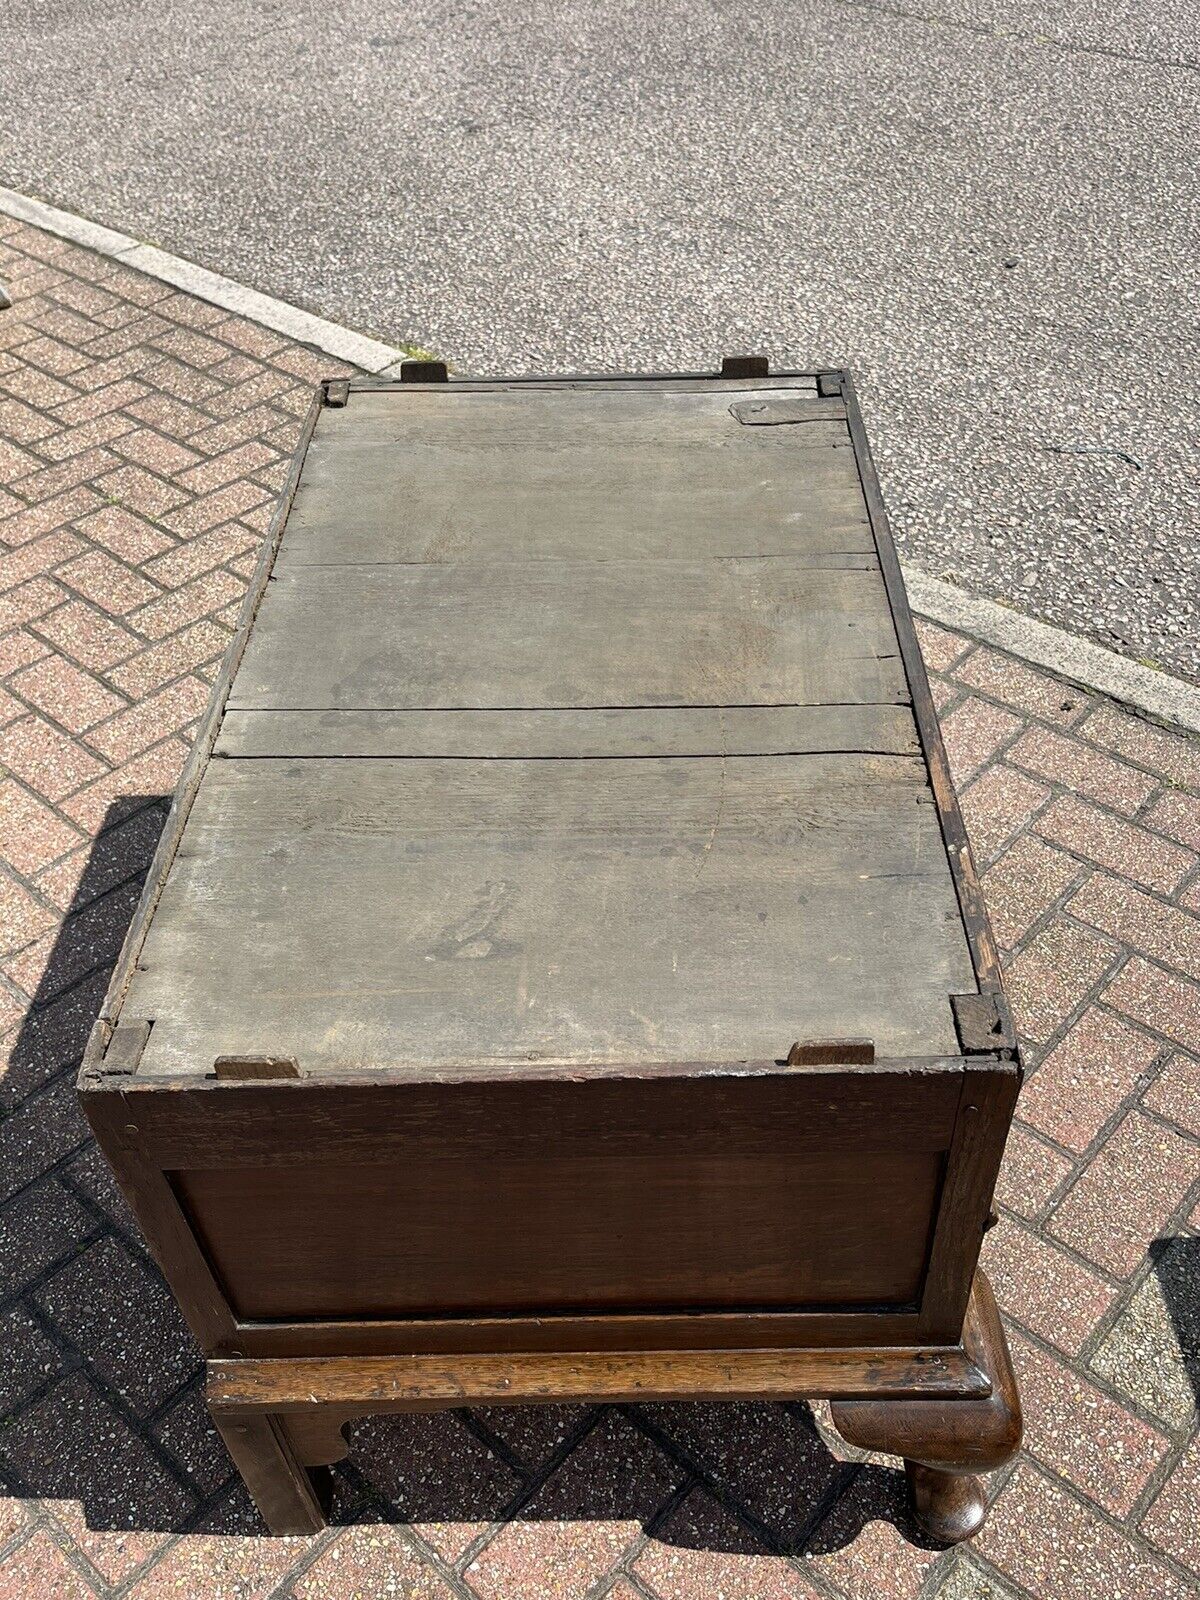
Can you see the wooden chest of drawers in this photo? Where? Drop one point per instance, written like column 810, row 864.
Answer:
column 563, row 973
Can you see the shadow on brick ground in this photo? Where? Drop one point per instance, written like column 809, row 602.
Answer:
column 763, row 1474
column 101, row 1386
column 1177, row 1268
column 97, row 1362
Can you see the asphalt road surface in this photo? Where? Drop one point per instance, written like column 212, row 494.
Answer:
column 991, row 211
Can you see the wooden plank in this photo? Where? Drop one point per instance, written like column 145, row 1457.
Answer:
column 568, row 734
column 571, row 634
column 199, row 1122
column 568, row 418
column 415, row 489
column 429, row 911
column 377, row 1383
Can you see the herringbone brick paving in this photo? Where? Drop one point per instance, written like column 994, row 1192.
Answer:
column 143, row 435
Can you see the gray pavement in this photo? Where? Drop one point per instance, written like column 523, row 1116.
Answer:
column 991, row 213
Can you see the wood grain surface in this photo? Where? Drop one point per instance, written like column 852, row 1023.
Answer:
column 572, row 727
column 424, row 911
column 571, row 634
column 553, row 476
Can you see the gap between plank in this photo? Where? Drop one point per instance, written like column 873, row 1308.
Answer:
column 675, row 755
column 866, row 556
column 689, row 705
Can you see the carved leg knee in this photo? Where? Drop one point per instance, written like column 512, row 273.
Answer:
column 946, row 1442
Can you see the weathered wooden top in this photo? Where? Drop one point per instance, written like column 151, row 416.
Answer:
column 573, row 727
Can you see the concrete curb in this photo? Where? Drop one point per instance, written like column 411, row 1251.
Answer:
column 1156, row 695
column 343, row 343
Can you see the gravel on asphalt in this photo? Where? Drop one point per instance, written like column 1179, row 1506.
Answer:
column 990, row 212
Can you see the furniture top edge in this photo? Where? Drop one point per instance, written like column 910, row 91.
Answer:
column 380, row 382
column 97, row 1076
column 985, row 957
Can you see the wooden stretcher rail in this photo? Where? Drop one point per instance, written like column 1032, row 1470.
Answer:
column 415, row 1381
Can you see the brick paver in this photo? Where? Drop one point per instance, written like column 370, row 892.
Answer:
column 143, row 435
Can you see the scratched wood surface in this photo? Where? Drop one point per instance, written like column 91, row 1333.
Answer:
column 572, row 727
column 571, row 634
column 606, row 476
column 582, row 735
column 418, row 910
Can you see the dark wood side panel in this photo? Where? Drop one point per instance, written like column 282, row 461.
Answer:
column 972, row 1165
column 772, row 1188
column 673, row 1229
column 481, row 1112
column 155, row 1205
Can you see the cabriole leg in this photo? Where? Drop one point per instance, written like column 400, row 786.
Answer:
column 945, row 1443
